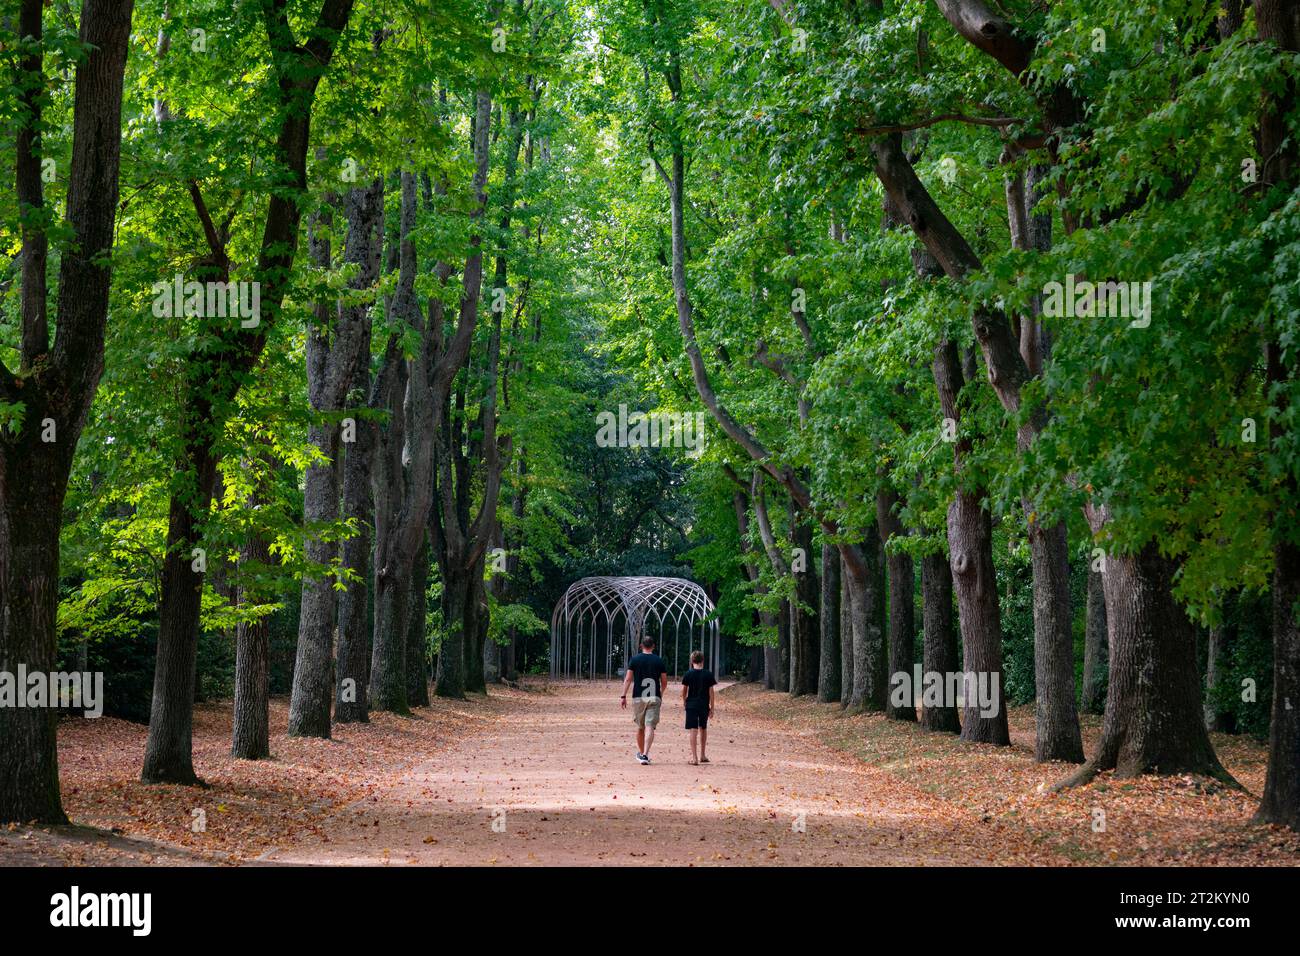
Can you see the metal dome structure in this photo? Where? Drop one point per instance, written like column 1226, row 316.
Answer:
column 587, row 639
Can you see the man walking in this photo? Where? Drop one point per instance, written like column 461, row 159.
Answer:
column 698, row 697
column 650, row 675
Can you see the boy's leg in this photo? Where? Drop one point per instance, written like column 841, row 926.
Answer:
column 704, row 740
column 694, row 737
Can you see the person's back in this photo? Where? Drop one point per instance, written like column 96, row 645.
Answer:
column 648, row 674
column 646, row 668
column 698, row 700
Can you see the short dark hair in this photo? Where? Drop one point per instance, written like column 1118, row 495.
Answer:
column 697, row 657
column 647, row 642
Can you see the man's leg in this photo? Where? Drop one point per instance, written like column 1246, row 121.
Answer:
column 640, row 740
column 649, row 738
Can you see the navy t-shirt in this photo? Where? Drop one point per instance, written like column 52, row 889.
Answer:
column 697, row 684
column 646, row 669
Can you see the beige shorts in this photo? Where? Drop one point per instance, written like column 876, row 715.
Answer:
column 645, row 711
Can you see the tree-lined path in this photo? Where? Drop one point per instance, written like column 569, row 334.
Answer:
column 561, row 766
column 949, row 349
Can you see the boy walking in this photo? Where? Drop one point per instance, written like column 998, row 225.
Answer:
column 699, row 696
column 650, row 673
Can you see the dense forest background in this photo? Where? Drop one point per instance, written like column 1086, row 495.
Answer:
column 992, row 308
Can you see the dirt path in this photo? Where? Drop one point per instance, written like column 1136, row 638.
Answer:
column 556, row 782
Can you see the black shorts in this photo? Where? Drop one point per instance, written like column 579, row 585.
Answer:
column 697, row 718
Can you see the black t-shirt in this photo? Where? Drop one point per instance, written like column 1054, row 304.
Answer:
column 646, row 669
column 697, row 684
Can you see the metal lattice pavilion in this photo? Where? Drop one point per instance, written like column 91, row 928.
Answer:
column 602, row 620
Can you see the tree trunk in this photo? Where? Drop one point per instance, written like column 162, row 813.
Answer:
column 771, row 667
column 970, row 537
column 352, row 682
column 32, row 493
column 451, row 653
column 970, row 545
column 783, row 648
column 1093, row 699
column 58, row 385
column 1278, row 23
column 168, row 753
column 902, row 613
column 1281, row 800
column 828, row 676
column 476, row 627
column 403, row 484
column 250, row 732
column 336, row 359
column 388, row 653
column 939, row 647
column 866, row 575
column 417, row 658
column 1153, row 721
column 805, row 643
column 1216, row 672
column 846, row 637
column 1056, row 719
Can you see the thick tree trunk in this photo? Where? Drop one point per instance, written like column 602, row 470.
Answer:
column 783, row 648
column 58, row 385
column 250, row 732
column 454, row 539
column 846, row 637
column 828, row 675
column 939, row 647
column 1153, row 721
column 970, row 545
column 476, row 627
column 388, row 653
column 352, row 680
column 337, row 355
column 451, row 653
column 168, row 752
column 1278, row 24
column 1093, row 698
column 866, row 577
column 32, row 491
column 805, row 641
column 1057, row 720
column 970, row 538
column 417, row 659
column 902, row 613
column 1281, row 800
column 403, row 483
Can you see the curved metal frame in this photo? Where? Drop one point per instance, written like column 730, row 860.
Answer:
column 639, row 601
